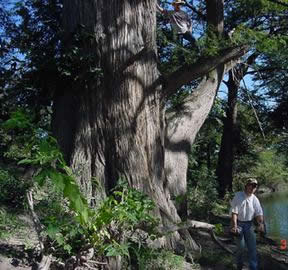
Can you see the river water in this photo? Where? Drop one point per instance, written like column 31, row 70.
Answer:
column 275, row 208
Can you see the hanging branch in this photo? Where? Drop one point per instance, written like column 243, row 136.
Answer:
column 253, row 108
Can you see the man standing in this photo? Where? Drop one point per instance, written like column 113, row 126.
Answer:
column 180, row 21
column 245, row 206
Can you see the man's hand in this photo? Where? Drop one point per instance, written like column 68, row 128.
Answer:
column 260, row 228
column 234, row 229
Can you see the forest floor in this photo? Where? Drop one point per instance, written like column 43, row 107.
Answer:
column 17, row 250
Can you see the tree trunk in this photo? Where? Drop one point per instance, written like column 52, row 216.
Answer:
column 113, row 126
column 182, row 130
column 226, row 154
column 224, row 169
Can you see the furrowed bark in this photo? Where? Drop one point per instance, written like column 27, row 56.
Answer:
column 182, row 129
column 113, row 126
column 117, row 120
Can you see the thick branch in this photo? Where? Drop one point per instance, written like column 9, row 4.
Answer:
column 215, row 16
column 187, row 73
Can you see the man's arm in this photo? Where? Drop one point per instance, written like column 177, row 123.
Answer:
column 260, row 223
column 234, row 223
column 259, row 216
column 160, row 9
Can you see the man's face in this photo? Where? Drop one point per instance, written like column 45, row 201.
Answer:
column 250, row 188
column 176, row 6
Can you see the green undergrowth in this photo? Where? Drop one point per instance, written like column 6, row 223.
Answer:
column 10, row 224
column 122, row 224
column 216, row 257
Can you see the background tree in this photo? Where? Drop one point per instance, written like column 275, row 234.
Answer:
column 264, row 18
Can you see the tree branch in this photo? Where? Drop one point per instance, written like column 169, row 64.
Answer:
column 204, row 65
column 216, row 240
column 279, row 3
column 266, row 70
column 46, row 259
column 201, row 15
column 190, row 224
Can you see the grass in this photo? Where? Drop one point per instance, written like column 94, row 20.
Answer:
column 10, row 224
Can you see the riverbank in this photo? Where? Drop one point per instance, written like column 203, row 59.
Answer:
column 265, row 190
column 215, row 257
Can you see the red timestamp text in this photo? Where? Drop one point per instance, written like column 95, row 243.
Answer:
column 283, row 244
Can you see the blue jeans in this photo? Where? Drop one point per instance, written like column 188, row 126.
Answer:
column 187, row 36
column 247, row 237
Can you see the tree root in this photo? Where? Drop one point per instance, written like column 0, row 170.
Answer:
column 192, row 224
column 216, row 240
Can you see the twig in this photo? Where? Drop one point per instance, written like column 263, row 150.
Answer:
column 46, row 260
column 37, row 224
column 89, row 267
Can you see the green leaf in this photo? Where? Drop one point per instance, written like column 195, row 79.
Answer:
column 27, row 161
column 57, row 178
column 41, row 177
column 52, row 231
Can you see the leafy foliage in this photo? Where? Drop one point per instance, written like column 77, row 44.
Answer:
column 157, row 259
column 108, row 229
column 202, row 193
column 270, row 169
column 10, row 224
column 13, row 189
column 117, row 219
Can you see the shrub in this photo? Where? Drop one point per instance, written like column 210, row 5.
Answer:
column 270, row 168
column 202, row 193
column 13, row 189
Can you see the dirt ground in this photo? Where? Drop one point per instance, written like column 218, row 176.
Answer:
column 18, row 252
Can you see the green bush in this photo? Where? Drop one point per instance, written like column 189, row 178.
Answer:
column 13, row 189
column 157, row 259
column 117, row 219
column 10, row 224
column 202, row 193
column 270, row 168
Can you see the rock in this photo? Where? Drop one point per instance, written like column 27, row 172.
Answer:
column 264, row 190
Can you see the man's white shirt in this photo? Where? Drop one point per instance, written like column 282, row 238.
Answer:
column 246, row 207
